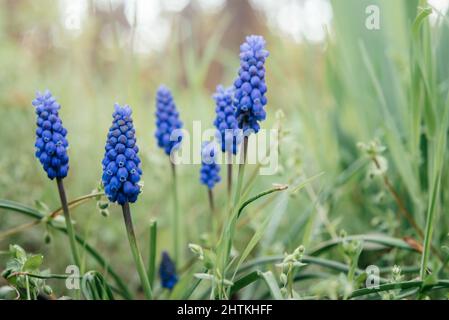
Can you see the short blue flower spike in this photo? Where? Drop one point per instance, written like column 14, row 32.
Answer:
column 210, row 170
column 228, row 133
column 167, row 272
column 250, row 86
column 51, row 143
column 121, row 163
column 167, row 120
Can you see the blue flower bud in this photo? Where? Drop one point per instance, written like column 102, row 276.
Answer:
column 121, row 172
column 250, row 86
column 51, row 144
column 210, row 171
column 228, row 135
column 167, row 272
column 167, row 120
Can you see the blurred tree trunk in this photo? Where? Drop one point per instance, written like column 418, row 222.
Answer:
column 243, row 20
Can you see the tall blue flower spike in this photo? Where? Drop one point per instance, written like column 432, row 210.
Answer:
column 167, row 272
column 51, row 143
column 250, row 86
column 228, row 133
column 210, row 170
column 167, row 120
column 121, row 163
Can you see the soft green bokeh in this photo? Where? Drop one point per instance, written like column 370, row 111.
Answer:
column 360, row 84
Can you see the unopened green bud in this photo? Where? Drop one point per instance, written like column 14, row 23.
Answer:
column 196, row 249
column 103, row 205
column 283, row 278
column 47, row 237
column 104, row 213
column 47, row 290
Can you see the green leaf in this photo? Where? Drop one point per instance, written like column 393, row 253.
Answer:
column 272, row 284
column 152, row 252
column 253, row 242
column 260, row 195
column 245, row 281
column 33, row 262
column 42, row 207
column 17, row 252
column 95, row 287
column 419, row 19
column 33, row 213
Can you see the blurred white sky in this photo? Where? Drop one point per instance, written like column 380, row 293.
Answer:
column 299, row 19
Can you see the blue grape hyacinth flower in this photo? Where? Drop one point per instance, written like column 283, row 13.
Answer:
column 250, row 86
column 210, row 170
column 167, row 272
column 228, row 133
column 121, row 163
column 51, row 143
column 167, row 120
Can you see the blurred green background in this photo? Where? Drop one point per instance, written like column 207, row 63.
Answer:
column 337, row 82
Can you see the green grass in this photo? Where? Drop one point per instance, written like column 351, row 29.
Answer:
column 390, row 84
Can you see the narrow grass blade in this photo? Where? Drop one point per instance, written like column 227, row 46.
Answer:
column 272, row 284
column 152, row 252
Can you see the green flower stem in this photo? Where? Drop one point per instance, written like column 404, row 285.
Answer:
column 210, row 195
column 68, row 222
column 241, row 174
column 176, row 218
column 28, row 288
column 229, row 167
column 213, row 218
column 135, row 251
column 152, row 252
column 228, row 231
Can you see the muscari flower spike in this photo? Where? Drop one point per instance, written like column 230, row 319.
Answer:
column 167, row 272
column 250, row 87
column 121, row 163
column 51, row 143
column 228, row 133
column 167, row 120
column 210, row 170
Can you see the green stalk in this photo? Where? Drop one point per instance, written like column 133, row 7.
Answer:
column 210, row 195
column 229, row 187
column 429, row 227
column 228, row 231
column 152, row 251
column 241, row 174
column 176, row 218
column 135, row 251
column 68, row 222
column 28, row 288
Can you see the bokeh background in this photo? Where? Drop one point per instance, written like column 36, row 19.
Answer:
column 93, row 53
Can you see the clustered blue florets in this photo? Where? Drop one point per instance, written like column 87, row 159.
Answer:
column 228, row 133
column 250, row 87
column 51, row 143
column 167, row 272
column 210, row 171
column 167, row 120
column 121, row 164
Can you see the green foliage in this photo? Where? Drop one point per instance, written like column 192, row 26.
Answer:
column 18, row 268
column 367, row 109
column 95, row 287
